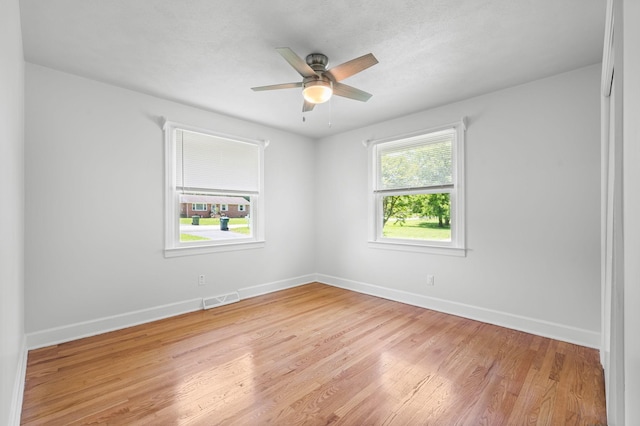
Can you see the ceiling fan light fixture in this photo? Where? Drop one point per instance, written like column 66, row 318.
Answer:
column 317, row 91
column 319, row 84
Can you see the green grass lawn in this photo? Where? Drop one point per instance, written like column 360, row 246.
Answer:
column 243, row 230
column 188, row 237
column 204, row 221
column 416, row 228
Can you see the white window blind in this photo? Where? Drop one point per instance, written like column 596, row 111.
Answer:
column 423, row 162
column 211, row 164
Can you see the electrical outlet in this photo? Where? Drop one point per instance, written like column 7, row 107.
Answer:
column 431, row 281
column 201, row 279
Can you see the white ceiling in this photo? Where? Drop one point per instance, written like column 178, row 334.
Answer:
column 209, row 53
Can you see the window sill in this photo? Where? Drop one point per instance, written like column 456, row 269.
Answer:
column 418, row 248
column 218, row 248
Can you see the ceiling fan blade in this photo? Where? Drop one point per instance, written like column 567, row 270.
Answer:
column 354, row 66
column 277, row 86
column 296, row 62
column 346, row 91
column 307, row 106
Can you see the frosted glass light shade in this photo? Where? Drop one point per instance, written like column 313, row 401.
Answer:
column 317, row 92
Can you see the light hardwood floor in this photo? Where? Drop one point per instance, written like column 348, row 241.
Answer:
column 315, row 355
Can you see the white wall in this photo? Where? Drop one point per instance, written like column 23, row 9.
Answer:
column 11, row 212
column 532, row 176
column 94, row 207
column 631, row 179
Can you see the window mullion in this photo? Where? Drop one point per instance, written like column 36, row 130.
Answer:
column 436, row 189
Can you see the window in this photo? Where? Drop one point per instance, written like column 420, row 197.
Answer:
column 199, row 207
column 417, row 196
column 241, row 208
column 208, row 172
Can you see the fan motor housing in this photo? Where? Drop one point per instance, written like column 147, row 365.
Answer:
column 317, row 61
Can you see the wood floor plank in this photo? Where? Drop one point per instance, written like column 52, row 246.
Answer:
column 314, row 355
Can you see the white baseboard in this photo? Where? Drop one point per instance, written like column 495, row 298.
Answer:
column 76, row 331
column 67, row 333
column 556, row 331
column 18, row 387
column 54, row 336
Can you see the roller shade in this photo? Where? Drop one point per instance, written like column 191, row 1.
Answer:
column 206, row 163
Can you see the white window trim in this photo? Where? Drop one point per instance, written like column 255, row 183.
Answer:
column 457, row 246
column 173, row 246
column 199, row 210
column 224, row 207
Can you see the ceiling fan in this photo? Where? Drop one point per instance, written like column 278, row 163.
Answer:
column 318, row 83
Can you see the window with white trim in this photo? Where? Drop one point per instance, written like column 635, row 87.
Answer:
column 417, row 191
column 224, row 207
column 199, row 207
column 211, row 168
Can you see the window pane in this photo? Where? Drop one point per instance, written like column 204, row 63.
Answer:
column 222, row 217
column 420, row 217
column 416, row 164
